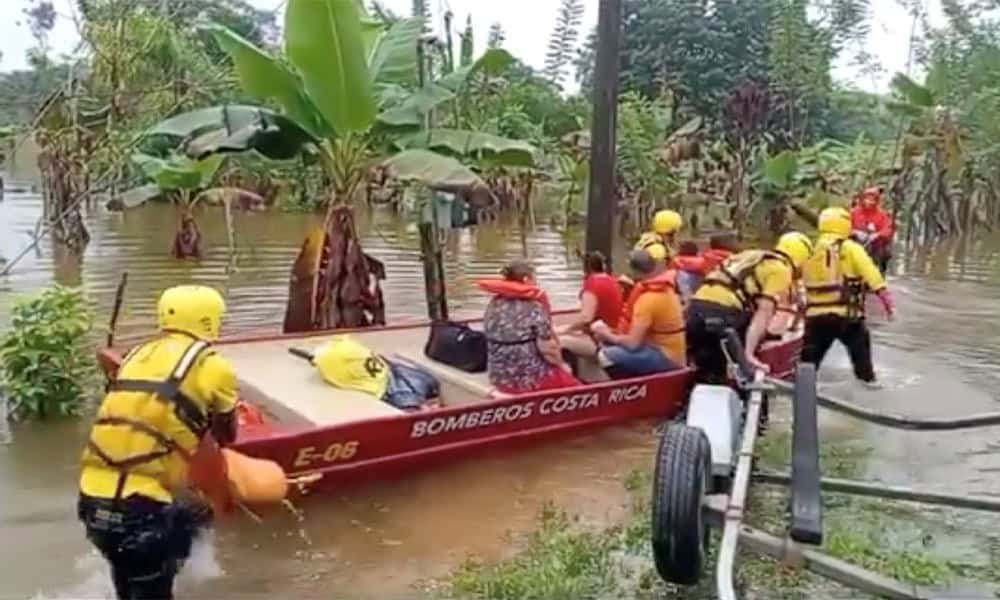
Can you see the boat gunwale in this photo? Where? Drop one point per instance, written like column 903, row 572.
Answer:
column 275, row 431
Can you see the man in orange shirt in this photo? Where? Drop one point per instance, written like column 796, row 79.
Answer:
column 649, row 337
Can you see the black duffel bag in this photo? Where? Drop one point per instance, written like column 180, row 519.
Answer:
column 457, row 345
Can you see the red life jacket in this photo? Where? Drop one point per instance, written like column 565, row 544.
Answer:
column 691, row 264
column 661, row 283
column 714, row 257
column 517, row 290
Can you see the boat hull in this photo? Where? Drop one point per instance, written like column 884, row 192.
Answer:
column 399, row 444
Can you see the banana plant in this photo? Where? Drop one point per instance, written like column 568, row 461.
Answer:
column 346, row 84
column 188, row 183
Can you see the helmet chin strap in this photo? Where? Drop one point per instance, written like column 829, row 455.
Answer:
column 182, row 332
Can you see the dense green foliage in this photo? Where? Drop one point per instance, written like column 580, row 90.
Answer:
column 750, row 80
column 47, row 368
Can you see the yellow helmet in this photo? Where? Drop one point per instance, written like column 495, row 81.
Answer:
column 666, row 222
column 657, row 251
column 796, row 246
column 348, row 364
column 835, row 220
column 193, row 309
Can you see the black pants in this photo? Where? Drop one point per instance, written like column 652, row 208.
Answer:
column 705, row 323
column 881, row 255
column 145, row 541
column 823, row 330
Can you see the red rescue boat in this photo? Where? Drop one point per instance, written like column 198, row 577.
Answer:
column 291, row 416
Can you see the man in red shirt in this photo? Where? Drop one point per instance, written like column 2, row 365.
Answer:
column 873, row 226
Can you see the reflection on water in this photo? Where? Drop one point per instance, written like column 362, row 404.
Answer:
column 938, row 356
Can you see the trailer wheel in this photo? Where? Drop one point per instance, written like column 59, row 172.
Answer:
column 680, row 534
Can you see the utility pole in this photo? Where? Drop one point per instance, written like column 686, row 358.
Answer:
column 601, row 195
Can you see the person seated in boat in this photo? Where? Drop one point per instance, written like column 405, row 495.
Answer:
column 601, row 299
column 690, row 267
column 523, row 352
column 720, row 247
column 742, row 293
column 665, row 225
column 649, row 336
column 168, row 395
column 659, row 253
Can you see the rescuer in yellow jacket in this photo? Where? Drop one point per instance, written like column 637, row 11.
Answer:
column 666, row 224
column 742, row 293
column 837, row 277
column 167, row 395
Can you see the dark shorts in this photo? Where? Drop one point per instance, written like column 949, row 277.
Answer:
column 145, row 541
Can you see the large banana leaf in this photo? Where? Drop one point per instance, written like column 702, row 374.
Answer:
column 411, row 111
column 433, row 170
column 179, row 173
column 493, row 62
column 323, row 39
column 236, row 128
column 136, row 196
column 780, row 170
column 265, row 77
column 495, row 149
column 395, row 57
column 911, row 91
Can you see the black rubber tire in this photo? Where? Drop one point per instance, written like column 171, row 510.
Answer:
column 682, row 478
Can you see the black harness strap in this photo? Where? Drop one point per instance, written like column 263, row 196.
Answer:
column 169, row 390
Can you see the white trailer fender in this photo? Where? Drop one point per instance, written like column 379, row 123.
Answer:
column 717, row 410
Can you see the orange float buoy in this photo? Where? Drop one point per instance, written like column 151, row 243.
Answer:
column 254, row 480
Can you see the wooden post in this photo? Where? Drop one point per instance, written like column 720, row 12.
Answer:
column 430, row 255
column 430, row 250
column 601, row 196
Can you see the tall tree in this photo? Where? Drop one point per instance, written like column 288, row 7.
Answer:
column 467, row 43
column 420, row 8
column 696, row 50
column 497, row 36
column 563, row 40
column 799, row 57
column 258, row 26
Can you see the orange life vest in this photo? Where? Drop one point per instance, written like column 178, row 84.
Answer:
column 692, row 264
column 660, row 283
column 518, row 290
column 714, row 257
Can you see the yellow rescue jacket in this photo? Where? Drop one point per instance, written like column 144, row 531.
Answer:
column 837, row 276
column 153, row 417
column 650, row 238
column 745, row 277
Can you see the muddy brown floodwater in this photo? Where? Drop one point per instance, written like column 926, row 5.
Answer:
column 378, row 540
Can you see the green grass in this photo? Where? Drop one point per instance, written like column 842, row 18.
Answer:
column 564, row 560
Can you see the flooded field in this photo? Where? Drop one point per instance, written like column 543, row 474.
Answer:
column 939, row 357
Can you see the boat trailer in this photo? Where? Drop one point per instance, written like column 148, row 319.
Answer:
column 704, row 468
